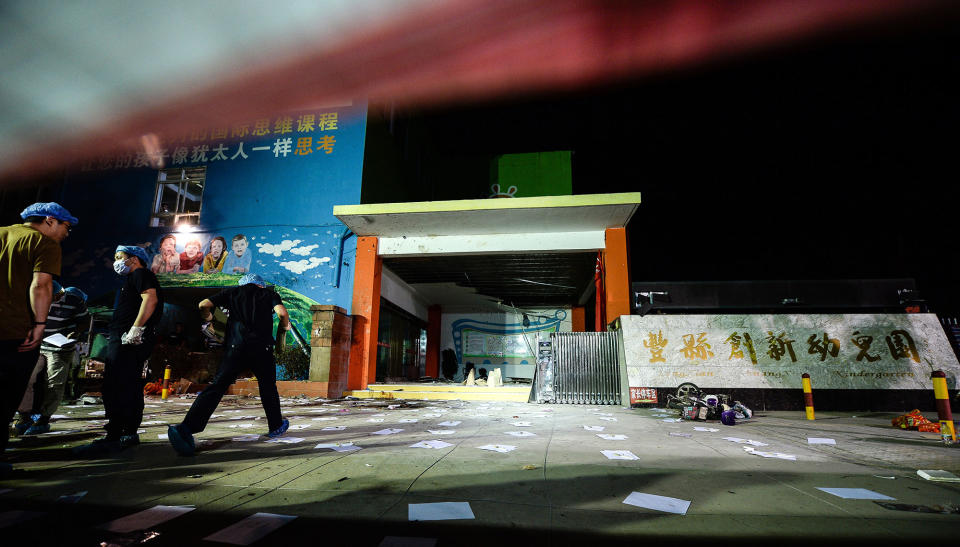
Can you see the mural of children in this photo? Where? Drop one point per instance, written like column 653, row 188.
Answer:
column 167, row 260
column 239, row 261
column 191, row 258
column 214, row 260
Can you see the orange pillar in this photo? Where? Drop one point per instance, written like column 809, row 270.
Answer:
column 579, row 319
column 433, row 341
column 366, row 314
column 616, row 265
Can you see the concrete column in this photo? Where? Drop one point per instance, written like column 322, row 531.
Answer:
column 366, row 314
column 616, row 281
column 433, row 341
column 330, row 348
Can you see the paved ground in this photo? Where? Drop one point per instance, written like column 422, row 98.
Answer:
column 555, row 488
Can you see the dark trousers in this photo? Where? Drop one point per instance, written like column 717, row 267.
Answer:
column 259, row 359
column 123, row 384
column 15, row 370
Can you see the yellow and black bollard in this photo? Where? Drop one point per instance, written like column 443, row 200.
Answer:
column 166, row 383
column 807, row 395
column 947, row 431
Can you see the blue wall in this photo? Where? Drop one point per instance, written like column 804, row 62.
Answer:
column 269, row 198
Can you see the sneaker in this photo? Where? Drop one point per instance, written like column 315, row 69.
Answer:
column 97, row 447
column 22, row 426
column 280, row 430
column 181, row 439
column 126, row 441
column 37, row 429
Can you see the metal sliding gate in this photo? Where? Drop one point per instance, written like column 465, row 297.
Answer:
column 586, row 368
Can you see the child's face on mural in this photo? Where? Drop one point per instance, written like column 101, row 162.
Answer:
column 216, row 247
column 239, row 247
column 168, row 246
column 192, row 249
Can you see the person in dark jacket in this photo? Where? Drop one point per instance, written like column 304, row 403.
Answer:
column 249, row 344
column 132, row 337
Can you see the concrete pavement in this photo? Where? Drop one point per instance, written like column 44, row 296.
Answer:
column 555, row 488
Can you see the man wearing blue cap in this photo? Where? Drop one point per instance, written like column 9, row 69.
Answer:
column 29, row 260
column 132, row 336
column 249, row 344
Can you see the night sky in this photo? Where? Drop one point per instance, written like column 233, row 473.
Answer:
column 831, row 158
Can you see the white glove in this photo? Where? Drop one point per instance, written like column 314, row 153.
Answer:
column 134, row 336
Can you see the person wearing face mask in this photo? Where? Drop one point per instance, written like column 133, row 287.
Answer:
column 132, row 337
column 29, row 260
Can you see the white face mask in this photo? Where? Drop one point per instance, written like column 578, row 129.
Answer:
column 121, row 267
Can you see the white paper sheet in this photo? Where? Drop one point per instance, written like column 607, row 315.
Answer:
column 327, row 419
column 146, row 518
column 246, row 438
column 504, row 448
column 58, row 340
column 593, row 427
column 388, row 431
column 62, row 417
column 450, row 423
column 431, row 444
column 521, row 424
column 820, row 440
column 676, row 434
column 745, row 441
column 339, row 447
column 778, row 455
column 375, row 420
column 98, row 413
column 299, row 426
column 72, row 498
column 521, row 433
column 250, row 529
column 603, row 414
column 162, row 436
column 408, row 421
column 441, row 431
column 671, row 420
column 658, row 503
column 334, row 428
column 286, row 440
column 604, row 418
column 154, row 422
column 855, row 493
column 609, row 437
column 708, row 429
column 619, row 455
column 449, row 510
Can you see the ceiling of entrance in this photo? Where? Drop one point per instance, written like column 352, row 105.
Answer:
column 523, row 280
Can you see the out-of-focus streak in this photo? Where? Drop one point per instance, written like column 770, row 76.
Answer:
column 466, row 50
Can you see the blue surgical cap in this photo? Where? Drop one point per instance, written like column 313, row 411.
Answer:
column 133, row 250
column 76, row 292
column 252, row 278
column 50, row 209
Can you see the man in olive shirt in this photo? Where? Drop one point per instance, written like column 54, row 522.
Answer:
column 29, row 259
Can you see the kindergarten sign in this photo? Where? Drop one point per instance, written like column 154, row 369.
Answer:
column 861, row 351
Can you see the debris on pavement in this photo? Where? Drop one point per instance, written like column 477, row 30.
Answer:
column 915, row 420
column 938, row 475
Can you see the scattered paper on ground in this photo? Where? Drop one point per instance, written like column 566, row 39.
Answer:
column 153, row 422
column 431, row 444
column 146, row 518
column 710, row 429
column 449, row 510
column 334, row 428
column 339, row 447
column 671, row 420
column 521, row 433
column 408, row 421
column 498, row 447
column 98, row 413
column 250, row 529
column 388, row 431
column 327, row 419
column 593, row 427
column 820, row 440
column 375, row 420
column 62, row 417
column 72, row 498
column 619, row 454
column 744, row 441
column 300, row 426
column 611, row 437
column 442, row 431
column 855, row 493
column 607, row 419
column 675, row 434
column 246, row 438
column 521, row 424
column 450, row 423
column 778, row 455
column 286, row 440
column 162, row 436
column 658, row 503
column 938, row 475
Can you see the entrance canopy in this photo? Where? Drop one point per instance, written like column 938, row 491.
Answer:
column 526, row 251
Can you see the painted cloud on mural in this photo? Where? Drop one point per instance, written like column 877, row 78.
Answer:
column 279, row 248
column 301, row 266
